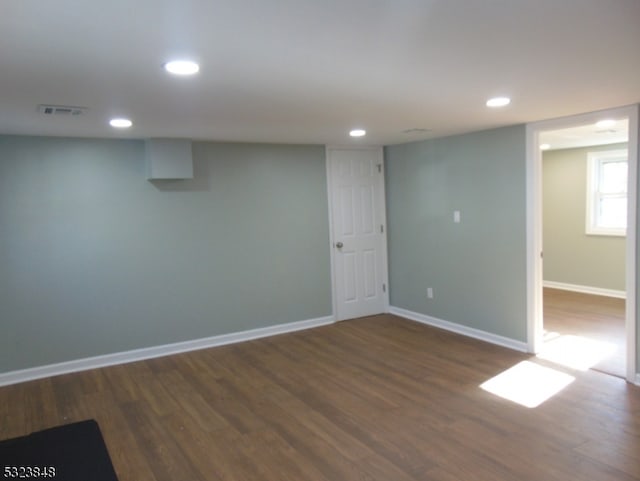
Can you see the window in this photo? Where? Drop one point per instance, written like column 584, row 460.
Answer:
column 607, row 193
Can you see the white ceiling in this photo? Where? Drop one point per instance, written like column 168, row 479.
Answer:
column 586, row 135
column 306, row 71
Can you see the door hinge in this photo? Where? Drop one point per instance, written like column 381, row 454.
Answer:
column 381, row 229
column 380, row 168
column 384, row 288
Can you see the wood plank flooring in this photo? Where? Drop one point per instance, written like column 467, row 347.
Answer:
column 592, row 317
column 378, row 398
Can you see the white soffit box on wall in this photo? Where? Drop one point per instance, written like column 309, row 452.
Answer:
column 168, row 159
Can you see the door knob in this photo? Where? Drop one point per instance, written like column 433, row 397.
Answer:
column 339, row 245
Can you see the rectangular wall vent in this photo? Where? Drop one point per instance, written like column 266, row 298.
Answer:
column 62, row 110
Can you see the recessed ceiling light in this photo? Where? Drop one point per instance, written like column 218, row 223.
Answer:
column 358, row 133
column 605, row 124
column 120, row 123
column 498, row 102
column 182, row 67
column 545, row 146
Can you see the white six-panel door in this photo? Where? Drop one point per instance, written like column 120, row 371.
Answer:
column 356, row 189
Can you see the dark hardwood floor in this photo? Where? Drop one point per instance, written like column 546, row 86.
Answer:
column 378, row 398
column 595, row 318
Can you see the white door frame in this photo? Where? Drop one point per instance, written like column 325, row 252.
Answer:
column 383, row 213
column 534, row 227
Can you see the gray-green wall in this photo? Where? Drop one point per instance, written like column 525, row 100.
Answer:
column 477, row 268
column 94, row 259
column 570, row 255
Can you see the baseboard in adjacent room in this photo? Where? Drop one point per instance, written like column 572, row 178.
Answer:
column 460, row 329
column 597, row 291
column 77, row 365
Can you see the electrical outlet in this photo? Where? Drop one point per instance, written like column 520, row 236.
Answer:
column 456, row 216
column 430, row 292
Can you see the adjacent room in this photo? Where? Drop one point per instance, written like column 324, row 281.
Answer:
column 584, row 221
column 304, row 240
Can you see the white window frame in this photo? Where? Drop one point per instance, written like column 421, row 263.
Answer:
column 594, row 162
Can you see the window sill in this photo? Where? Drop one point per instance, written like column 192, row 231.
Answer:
column 606, row 233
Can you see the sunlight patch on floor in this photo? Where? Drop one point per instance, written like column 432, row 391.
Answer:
column 575, row 352
column 528, row 384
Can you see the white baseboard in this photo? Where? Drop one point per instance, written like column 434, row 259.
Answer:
column 77, row 365
column 598, row 291
column 460, row 329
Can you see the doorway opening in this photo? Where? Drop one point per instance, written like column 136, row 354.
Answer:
column 581, row 241
column 584, row 216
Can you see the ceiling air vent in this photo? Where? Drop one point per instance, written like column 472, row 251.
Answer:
column 416, row 131
column 61, row 110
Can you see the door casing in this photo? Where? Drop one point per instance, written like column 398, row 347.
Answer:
column 534, row 227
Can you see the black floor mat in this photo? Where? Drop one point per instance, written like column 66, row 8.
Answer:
column 75, row 452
